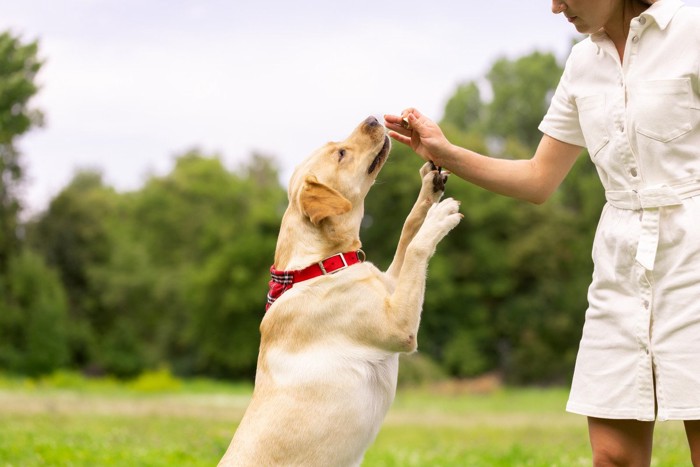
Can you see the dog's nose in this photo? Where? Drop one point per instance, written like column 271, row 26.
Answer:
column 371, row 121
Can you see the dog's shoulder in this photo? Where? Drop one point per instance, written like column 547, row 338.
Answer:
column 326, row 305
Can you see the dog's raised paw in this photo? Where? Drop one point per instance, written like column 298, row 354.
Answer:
column 439, row 181
column 443, row 217
column 426, row 169
column 433, row 181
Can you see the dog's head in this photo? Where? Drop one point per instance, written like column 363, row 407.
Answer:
column 335, row 179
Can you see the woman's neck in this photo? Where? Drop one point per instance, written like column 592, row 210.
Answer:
column 618, row 27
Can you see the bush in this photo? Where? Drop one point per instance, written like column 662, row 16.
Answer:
column 463, row 357
column 156, row 381
column 32, row 318
column 417, row 369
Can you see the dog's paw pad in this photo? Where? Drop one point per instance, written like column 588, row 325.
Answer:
column 439, row 181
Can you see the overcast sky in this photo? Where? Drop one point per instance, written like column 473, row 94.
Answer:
column 129, row 84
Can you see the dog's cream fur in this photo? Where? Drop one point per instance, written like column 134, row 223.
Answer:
column 328, row 359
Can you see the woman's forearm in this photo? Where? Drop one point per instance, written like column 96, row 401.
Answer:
column 532, row 180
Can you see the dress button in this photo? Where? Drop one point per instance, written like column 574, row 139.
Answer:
column 635, row 39
column 646, row 304
column 633, row 172
column 642, row 20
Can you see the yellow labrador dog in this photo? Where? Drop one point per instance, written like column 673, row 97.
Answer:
column 330, row 340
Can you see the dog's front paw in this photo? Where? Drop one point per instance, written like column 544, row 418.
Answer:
column 434, row 181
column 442, row 217
column 445, row 214
column 439, row 181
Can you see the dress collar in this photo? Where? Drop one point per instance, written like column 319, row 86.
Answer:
column 661, row 12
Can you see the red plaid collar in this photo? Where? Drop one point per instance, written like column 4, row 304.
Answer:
column 281, row 281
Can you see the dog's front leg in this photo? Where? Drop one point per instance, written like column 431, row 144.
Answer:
column 405, row 304
column 432, row 188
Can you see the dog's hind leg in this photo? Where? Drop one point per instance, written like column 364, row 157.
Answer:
column 432, row 188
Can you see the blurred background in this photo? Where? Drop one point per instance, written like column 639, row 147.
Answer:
column 145, row 149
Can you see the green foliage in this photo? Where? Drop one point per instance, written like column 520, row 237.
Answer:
column 161, row 380
column 213, row 234
column 18, row 68
column 418, row 369
column 32, row 318
column 521, row 92
column 27, row 288
column 174, row 275
column 464, row 110
column 74, row 237
column 463, row 355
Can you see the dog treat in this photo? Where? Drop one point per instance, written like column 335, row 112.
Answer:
column 405, row 123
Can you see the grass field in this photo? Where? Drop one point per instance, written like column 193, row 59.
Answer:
column 158, row 421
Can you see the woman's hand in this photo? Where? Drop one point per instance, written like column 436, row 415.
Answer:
column 420, row 133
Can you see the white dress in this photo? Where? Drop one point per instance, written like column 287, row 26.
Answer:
column 640, row 120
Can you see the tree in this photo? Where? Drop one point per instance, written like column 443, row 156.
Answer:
column 74, row 237
column 19, row 65
column 464, row 110
column 228, row 293
column 209, row 235
column 32, row 318
column 32, row 302
column 172, row 274
column 522, row 90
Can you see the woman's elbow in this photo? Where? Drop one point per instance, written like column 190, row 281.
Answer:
column 537, row 196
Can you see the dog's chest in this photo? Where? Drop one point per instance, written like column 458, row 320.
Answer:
column 365, row 376
column 324, row 363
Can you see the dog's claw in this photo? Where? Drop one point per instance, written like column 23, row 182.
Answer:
column 434, row 167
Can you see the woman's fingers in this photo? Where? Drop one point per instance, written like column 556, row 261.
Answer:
column 400, row 138
column 397, row 124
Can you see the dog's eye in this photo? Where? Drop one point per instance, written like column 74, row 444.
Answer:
column 341, row 154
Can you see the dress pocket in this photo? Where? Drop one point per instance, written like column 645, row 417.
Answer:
column 662, row 108
column 591, row 114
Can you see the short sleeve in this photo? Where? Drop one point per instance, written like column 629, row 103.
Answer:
column 562, row 120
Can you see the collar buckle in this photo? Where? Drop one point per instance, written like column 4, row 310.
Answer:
column 333, row 271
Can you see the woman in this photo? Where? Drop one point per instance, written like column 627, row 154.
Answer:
column 630, row 94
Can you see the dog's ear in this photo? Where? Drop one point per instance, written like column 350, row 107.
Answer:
column 319, row 201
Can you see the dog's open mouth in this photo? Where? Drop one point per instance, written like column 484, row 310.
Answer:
column 381, row 157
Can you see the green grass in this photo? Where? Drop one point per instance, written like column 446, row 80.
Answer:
column 159, row 421
column 511, row 427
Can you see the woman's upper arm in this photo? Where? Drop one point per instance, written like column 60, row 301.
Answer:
column 552, row 162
